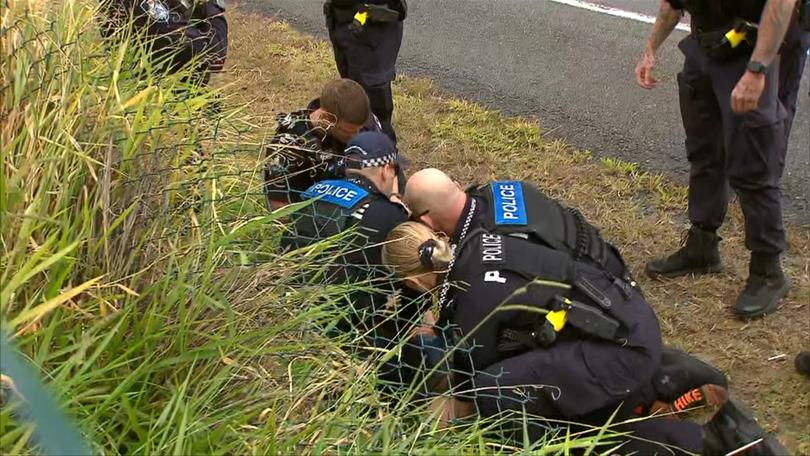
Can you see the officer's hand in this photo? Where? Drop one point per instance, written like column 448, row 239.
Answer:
column 424, row 331
column 746, row 94
column 426, row 328
column 644, row 70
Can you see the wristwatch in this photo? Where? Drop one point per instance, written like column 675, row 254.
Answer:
column 756, row 67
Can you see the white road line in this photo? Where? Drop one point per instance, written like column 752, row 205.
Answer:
column 616, row 12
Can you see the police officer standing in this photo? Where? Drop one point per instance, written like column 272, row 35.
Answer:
column 737, row 106
column 182, row 30
column 366, row 37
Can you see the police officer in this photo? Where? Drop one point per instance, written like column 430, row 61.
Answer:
column 309, row 143
column 591, row 348
column 737, row 100
column 363, row 205
column 511, row 207
column 366, row 37
column 183, row 31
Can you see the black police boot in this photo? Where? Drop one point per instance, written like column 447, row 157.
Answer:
column 734, row 427
column 700, row 254
column 803, row 363
column 765, row 287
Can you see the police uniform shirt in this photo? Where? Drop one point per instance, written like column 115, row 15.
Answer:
column 299, row 155
column 492, row 270
column 487, row 285
column 522, row 209
column 361, row 203
column 362, row 206
column 183, row 35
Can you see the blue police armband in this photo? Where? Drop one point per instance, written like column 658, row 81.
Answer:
column 510, row 208
column 341, row 193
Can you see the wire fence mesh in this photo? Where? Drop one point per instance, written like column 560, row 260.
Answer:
column 172, row 169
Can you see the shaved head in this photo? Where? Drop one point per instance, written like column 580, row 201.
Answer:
column 435, row 197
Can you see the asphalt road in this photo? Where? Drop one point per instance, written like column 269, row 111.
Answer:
column 570, row 68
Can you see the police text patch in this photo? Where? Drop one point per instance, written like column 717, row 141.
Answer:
column 341, row 193
column 510, row 208
column 492, row 251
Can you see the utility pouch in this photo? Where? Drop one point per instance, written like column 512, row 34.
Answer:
column 725, row 44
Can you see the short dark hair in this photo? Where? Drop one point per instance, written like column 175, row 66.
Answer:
column 346, row 100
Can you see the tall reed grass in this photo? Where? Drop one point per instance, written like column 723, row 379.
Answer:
column 146, row 289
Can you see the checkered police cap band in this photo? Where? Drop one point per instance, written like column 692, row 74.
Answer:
column 357, row 162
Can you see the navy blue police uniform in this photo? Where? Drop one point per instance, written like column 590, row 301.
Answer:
column 354, row 203
column 367, row 52
column 588, row 370
column 545, row 221
column 301, row 154
column 183, row 30
column 792, row 61
column 746, row 151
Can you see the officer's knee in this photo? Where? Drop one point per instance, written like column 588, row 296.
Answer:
column 619, row 370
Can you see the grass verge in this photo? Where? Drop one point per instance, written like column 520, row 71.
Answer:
column 274, row 68
column 140, row 276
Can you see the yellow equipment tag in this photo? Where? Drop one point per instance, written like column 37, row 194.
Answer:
column 361, row 17
column 557, row 319
column 735, row 38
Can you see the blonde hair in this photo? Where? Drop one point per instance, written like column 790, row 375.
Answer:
column 412, row 248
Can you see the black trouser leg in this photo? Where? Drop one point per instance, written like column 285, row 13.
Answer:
column 756, row 146
column 702, row 122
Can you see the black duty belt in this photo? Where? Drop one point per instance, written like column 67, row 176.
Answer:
column 343, row 15
column 376, row 13
column 717, row 46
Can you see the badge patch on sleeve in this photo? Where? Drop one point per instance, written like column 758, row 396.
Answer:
column 510, row 208
column 492, row 251
column 157, row 10
column 341, row 193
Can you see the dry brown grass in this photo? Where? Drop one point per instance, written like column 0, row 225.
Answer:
column 273, row 68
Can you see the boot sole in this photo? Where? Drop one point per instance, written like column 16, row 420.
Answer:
column 714, row 269
column 768, row 310
column 712, row 397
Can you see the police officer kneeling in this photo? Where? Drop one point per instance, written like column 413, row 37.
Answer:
column 588, row 348
column 362, row 201
column 590, row 335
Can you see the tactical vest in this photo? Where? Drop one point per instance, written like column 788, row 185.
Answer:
column 340, row 204
column 609, row 308
column 521, row 208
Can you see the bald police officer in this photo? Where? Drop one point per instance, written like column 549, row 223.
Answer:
column 183, row 31
column 366, row 37
column 737, row 106
column 518, row 209
column 511, row 207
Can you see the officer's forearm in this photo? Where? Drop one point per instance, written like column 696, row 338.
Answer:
column 773, row 25
column 668, row 18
